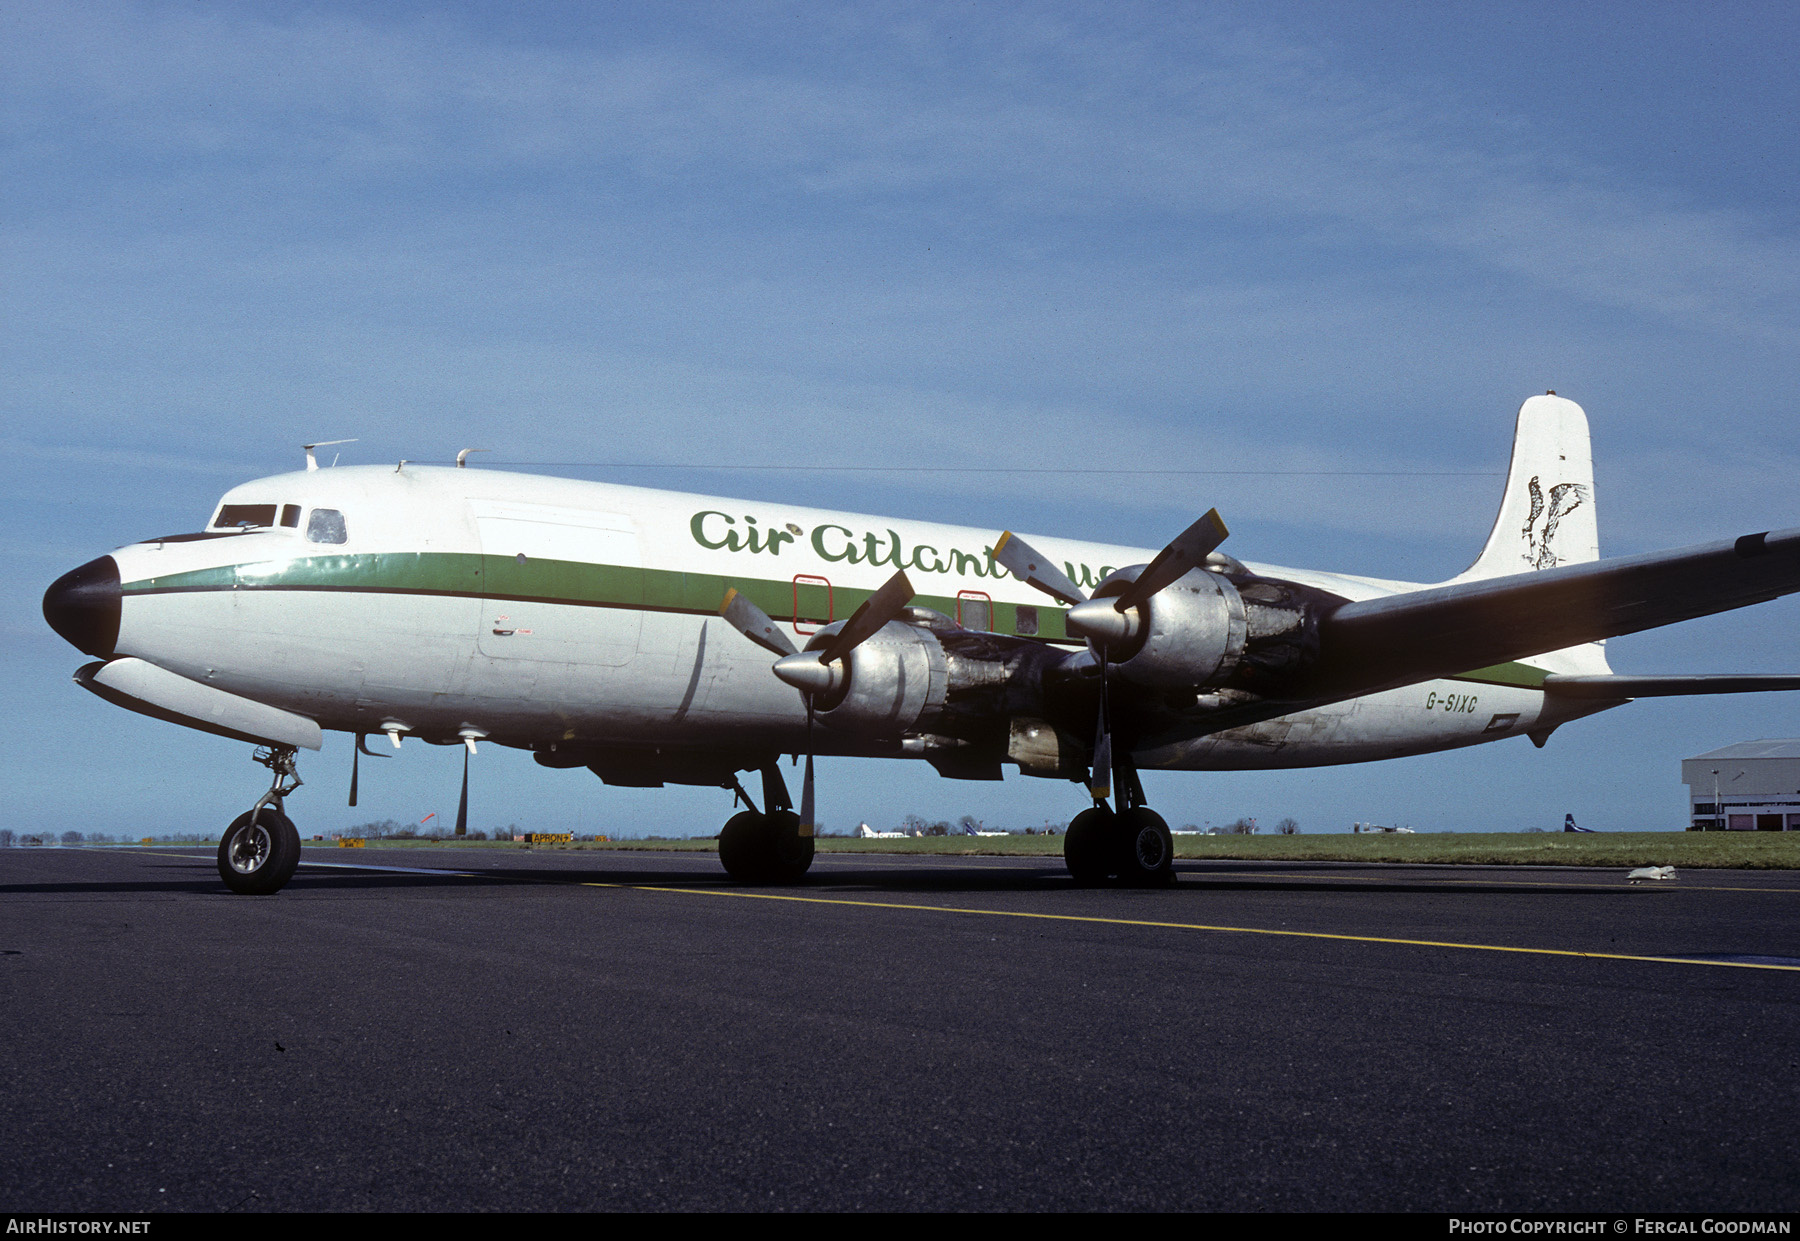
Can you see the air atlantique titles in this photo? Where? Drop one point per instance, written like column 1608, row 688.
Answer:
column 713, row 529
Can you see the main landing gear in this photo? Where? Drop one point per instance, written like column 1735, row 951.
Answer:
column 260, row 850
column 764, row 848
column 1132, row 844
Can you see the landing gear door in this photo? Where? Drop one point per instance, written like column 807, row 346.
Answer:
column 561, row 586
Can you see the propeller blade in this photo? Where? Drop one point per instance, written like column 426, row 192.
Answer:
column 1100, row 779
column 1027, row 564
column 755, row 624
column 462, row 806
column 806, row 785
column 354, row 753
column 1184, row 552
column 882, row 606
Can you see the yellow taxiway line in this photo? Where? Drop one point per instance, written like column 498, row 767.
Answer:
column 1199, row 926
column 1090, row 918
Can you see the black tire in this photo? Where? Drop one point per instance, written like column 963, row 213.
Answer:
column 259, row 859
column 1089, row 847
column 1146, row 857
column 790, row 853
column 741, row 848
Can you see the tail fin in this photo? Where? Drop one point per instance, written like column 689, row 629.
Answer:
column 1547, row 514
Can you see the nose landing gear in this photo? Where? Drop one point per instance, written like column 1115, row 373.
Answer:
column 260, row 850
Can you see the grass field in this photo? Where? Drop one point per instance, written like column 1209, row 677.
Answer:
column 1730, row 850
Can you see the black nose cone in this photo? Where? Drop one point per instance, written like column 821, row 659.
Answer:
column 83, row 606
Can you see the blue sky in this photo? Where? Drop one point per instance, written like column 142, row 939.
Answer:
column 1253, row 237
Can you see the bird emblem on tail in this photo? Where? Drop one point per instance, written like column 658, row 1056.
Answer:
column 1564, row 499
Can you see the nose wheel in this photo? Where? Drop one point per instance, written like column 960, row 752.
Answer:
column 261, row 849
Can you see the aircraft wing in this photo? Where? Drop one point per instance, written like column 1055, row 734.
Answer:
column 1621, row 686
column 1376, row 644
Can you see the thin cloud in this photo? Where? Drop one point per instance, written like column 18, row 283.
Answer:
column 1201, row 118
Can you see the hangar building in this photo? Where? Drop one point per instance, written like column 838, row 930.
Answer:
column 1753, row 786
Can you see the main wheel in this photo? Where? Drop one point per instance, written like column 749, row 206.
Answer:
column 765, row 848
column 258, row 858
column 741, row 850
column 1146, row 857
column 1088, row 846
column 790, row 853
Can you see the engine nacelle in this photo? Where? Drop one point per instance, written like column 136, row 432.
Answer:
column 1189, row 635
column 886, row 684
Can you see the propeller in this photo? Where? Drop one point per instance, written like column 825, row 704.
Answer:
column 361, row 748
column 1185, row 551
column 462, row 803
column 469, row 737
column 821, row 671
column 1112, row 619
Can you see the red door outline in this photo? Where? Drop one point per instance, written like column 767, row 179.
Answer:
column 973, row 595
column 801, row 626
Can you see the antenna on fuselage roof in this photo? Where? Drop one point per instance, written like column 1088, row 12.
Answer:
column 462, row 458
column 311, row 462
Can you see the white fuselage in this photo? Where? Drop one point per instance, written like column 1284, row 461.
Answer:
column 537, row 610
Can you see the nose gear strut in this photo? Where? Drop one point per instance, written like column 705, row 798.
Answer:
column 261, row 849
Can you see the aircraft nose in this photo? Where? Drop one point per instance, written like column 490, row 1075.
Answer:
column 83, row 606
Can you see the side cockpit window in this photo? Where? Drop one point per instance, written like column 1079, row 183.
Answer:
column 290, row 515
column 244, row 517
column 326, row 525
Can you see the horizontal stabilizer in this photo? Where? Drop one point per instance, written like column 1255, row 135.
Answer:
column 163, row 695
column 1663, row 687
column 1375, row 644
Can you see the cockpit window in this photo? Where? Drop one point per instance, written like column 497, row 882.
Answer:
column 245, row 516
column 290, row 515
column 326, row 525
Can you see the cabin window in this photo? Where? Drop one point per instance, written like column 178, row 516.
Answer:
column 326, row 525
column 245, row 516
column 974, row 610
column 1026, row 624
column 290, row 515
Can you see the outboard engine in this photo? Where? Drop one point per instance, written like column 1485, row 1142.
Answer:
column 1207, row 630
column 1188, row 634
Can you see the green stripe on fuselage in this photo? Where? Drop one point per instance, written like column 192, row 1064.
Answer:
column 1524, row 676
column 610, row 586
column 557, row 581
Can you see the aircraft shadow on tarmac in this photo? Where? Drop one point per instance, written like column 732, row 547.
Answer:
column 933, row 877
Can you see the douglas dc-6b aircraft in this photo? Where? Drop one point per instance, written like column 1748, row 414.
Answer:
column 631, row 631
